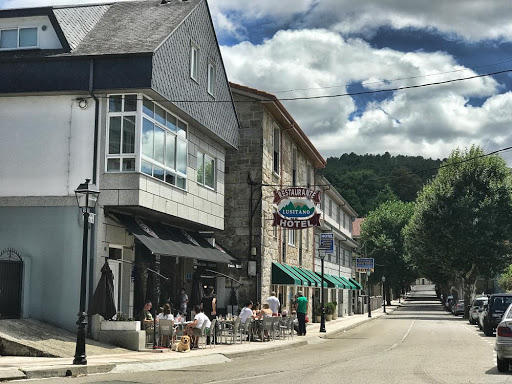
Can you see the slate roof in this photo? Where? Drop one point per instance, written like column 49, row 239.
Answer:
column 113, row 29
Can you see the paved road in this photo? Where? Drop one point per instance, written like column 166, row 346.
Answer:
column 418, row 343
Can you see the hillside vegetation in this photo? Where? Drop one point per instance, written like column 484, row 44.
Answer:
column 366, row 181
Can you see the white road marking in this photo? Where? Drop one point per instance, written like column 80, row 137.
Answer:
column 406, row 334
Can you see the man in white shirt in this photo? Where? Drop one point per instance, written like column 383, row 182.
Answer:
column 273, row 303
column 246, row 312
column 194, row 328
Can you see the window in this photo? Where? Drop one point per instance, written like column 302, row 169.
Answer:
column 339, row 215
column 15, row 38
column 308, row 176
column 205, row 170
column 307, row 239
column 294, row 167
column 277, row 146
column 194, row 61
column 291, row 237
column 212, row 78
column 164, row 145
column 330, row 208
column 122, row 111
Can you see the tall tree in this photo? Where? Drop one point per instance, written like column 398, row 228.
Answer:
column 462, row 223
column 382, row 238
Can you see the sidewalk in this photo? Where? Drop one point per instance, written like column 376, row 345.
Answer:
column 13, row 367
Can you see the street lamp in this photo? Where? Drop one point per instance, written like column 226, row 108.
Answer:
column 369, row 297
column 322, row 317
column 86, row 198
column 384, row 291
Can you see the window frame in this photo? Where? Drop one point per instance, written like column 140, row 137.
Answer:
column 205, row 154
column 121, row 156
column 17, row 28
column 276, row 152
column 294, row 165
column 194, row 65
column 213, row 66
column 291, row 237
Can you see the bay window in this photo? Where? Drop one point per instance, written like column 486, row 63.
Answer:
column 163, row 149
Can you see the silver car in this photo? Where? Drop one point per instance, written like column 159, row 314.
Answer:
column 503, row 345
column 476, row 308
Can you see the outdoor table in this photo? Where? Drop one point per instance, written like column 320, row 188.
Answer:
column 222, row 325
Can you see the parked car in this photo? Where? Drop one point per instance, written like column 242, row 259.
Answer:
column 503, row 344
column 458, row 308
column 448, row 302
column 493, row 312
column 476, row 308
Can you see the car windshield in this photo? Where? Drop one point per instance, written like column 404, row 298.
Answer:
column 501, row 303
column 479, row 303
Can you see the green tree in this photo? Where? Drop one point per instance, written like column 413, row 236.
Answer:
column 505, row 280
column 382, row 239
column 462, row 221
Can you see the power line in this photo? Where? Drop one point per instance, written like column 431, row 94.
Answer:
column 392, row 80
column 339, row 94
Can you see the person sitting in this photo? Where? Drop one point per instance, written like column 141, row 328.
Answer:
column 194, row 328
column 246, row 312
column 166, row 315
column 284, row 314
column 266, row 311
column 145, row 316
column 256, row 310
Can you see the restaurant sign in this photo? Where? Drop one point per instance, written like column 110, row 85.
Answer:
column 296, row 208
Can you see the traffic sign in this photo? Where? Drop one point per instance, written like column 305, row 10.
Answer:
column 365, row 264
column 327, row 242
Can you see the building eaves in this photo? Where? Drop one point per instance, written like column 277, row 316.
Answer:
column 269, row 100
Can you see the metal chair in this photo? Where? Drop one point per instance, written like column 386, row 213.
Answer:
column 233, row 330
column 246, row 330
column 165, row 329
column 213, row 333
column 284, row 327
column 276, row 331
column 267, row 326
column 202, row 335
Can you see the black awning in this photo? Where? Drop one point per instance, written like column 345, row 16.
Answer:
column 164, row 240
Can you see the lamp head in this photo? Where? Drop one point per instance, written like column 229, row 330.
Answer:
column 86, row 197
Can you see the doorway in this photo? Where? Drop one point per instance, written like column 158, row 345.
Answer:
column 11, row 277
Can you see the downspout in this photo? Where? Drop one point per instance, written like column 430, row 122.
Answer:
column 92, row 246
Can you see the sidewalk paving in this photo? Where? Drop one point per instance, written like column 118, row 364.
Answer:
column 15, row 368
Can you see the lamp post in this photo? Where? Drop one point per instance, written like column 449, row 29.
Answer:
column 86, row 198
column 322, row 317
column 369, row 293
column 384, row 291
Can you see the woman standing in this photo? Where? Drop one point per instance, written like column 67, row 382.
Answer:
column 209, row 304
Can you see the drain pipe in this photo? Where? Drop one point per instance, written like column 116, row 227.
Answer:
column 92, row 247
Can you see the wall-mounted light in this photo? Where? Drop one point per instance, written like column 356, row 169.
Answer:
column 82, row 103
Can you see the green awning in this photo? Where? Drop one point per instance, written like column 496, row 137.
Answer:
column 345, row 285
column 302, row 279
column 349, row 283
column 300, row 272
column 331, row 281
column 313, row 279
column 281, row 276
column 359, row 286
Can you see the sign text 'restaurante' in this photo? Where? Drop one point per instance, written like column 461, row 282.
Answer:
column 304, row 193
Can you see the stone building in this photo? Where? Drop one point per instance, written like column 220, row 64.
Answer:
column 273, row 153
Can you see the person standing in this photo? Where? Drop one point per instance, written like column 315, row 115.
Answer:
column 183, row 301
column 273, row 303
column 209, row 304
column 302, row 309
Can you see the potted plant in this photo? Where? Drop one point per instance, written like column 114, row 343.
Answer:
column 121, row 323
column 329, row 309
column 335, row 313
column 318, row 313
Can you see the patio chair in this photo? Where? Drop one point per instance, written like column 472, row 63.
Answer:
column 267, row 326
column 276, row 332
column 233, row 331
column 284, row 325
column 165, row 329
column 149, row 335
column 213, row 333
column 202, row 336
column 246, row 330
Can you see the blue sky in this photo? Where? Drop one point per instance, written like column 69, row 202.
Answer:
column 366, row 45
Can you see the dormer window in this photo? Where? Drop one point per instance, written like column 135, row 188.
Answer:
column 18, row 38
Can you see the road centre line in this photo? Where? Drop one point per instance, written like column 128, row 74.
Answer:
column 406, row 334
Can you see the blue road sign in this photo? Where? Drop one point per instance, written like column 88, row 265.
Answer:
column 365, row 264
column 327, row 242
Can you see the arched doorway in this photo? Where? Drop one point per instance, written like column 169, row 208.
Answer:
column 11, row 277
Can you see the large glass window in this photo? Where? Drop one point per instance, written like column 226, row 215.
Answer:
column 15, row 38
column 164, row 145
column 121, row 133
column 205, row 170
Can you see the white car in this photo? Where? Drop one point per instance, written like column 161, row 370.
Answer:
column 503, row 345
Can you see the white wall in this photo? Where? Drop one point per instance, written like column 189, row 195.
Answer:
column 46, row 145
column 47, row 39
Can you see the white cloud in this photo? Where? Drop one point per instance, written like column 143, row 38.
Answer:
column 471, row 20
column 428, row 121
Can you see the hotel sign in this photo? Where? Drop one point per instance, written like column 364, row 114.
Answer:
column 296, row 208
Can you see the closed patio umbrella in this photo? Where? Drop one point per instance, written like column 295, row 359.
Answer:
column 102, row 302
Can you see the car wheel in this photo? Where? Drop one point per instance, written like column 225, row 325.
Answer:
column 471, row 321
column 487, row 329
column 503, row 364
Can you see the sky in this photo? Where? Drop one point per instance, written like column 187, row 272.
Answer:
column 305, row 48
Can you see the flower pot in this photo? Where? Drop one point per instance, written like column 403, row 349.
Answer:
column 120, row 325
column 328, row 317
column 318, row 319
column 335, row 315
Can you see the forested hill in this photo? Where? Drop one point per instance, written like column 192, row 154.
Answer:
column 365, row 181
